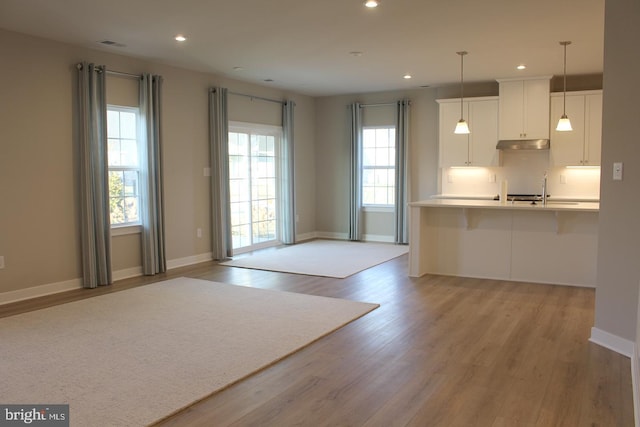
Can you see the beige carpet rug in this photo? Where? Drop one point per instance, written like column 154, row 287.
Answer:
column 329, row 258
column 133, row 357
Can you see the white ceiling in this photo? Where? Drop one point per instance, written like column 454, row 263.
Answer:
column 304, row 45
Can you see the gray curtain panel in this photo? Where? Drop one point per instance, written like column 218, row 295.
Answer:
column 288, row 206
column 221, row 241
column 95, row 227
column 355, row 177
column 152, row 212
column 402, row 190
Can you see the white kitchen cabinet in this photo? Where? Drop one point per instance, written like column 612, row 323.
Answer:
column 581, row 146
column 477, row 148
column 524, row 108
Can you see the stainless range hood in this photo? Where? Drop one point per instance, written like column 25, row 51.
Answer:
column 523, row 144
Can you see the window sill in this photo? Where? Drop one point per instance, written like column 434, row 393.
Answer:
column 378, row 209
column 123, row 230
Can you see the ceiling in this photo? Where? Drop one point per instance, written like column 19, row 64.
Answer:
column 304, row 46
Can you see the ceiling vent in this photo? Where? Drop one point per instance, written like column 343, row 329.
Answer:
column 111, row 43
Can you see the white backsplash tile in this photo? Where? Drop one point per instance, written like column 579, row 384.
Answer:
column 524, row 172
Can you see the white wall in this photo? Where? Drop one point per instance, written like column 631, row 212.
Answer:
column 619, row 231
column 332, row 156
column 39, row 207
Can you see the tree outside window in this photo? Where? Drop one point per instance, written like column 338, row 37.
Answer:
column 124, row 165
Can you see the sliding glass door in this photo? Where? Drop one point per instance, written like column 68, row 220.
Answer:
column 253, row 185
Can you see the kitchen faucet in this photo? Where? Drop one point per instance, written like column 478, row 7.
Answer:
column 544, row 189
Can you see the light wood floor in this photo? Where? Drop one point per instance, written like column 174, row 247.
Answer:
column 440, row 351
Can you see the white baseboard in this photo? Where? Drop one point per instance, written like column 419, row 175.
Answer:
column 344, row 236
column 306, row 236
column 331, row 235
column 612, row 342
column 69, row 285
column 378, row 238
column 127, row 273
column 190, row 260
column 635, row 383
column 40, row 291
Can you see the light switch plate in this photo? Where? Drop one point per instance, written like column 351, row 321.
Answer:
column 1, row 262
column 617, row 171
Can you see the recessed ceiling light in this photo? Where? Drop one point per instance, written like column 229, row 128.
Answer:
column 268, row 80
column 355, row 53
column 521, row 67
column 180, row 38
column 371, row 3
column 407, row 76
column 238, row 68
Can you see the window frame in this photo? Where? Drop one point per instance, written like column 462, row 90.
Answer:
column 277, row 133
column 130, row 227
column 377, row 207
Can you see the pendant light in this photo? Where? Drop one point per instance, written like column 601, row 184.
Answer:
column 461, row 126
column 564, row 124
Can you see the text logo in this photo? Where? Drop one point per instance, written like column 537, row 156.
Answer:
column 34, row 415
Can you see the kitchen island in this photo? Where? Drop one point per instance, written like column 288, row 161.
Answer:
column 546, row 243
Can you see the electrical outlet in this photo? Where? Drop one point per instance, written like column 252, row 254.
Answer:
column 1, row 262
column 563, row 179
column 492, row 177
column 199, row 232
column 206, row 172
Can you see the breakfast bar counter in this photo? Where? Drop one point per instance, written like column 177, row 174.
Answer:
column 551, row 205
column 553, row 243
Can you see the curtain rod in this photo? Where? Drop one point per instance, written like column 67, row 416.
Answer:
column 257, row 97
column 122, row 74
column 386, row 104
column 112, row 72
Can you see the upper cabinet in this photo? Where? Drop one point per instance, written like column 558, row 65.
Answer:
column 524, row 108
column 582, row 145
column 477, row 148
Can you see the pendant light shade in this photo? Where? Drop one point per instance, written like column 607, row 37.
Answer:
column 462, row 127
column 564, row 124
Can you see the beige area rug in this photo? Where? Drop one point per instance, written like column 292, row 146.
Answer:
column 329, row 258
column 133, row 357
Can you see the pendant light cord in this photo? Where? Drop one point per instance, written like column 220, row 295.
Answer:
column 462, row 54
column 564, row 97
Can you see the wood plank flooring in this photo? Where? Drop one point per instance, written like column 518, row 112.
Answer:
column 440, row 351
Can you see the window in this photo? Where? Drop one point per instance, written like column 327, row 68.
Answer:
column 253, row 185
column 378, row 166
column 124, row 165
